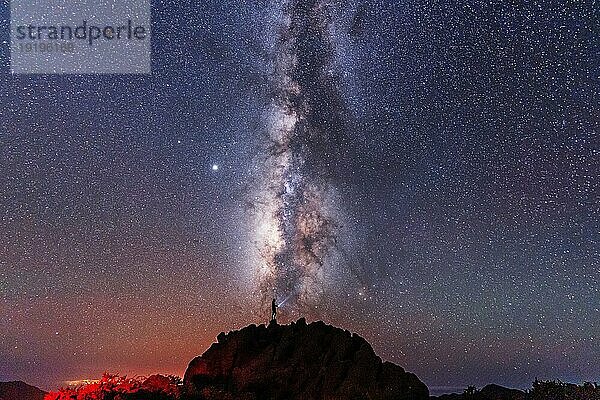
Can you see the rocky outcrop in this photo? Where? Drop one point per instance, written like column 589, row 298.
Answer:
column 297, row 361
column 18, row 390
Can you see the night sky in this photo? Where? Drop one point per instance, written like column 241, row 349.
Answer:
column 431, row 168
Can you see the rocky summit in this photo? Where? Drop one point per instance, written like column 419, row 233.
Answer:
column 297, row 361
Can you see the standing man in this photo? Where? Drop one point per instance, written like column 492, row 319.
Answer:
column 273, row 310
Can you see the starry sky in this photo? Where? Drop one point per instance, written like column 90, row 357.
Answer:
column 461, row 181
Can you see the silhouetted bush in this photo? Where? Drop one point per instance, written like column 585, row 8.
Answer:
column 557, row 390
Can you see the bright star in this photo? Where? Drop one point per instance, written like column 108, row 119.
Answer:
column 215, row 167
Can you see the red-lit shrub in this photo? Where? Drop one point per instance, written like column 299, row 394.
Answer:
column 115, row 387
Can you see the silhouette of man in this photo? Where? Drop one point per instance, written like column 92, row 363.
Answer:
column 273, row 310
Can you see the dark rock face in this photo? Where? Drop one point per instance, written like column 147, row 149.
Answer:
column 297, row 361
column 18, row 390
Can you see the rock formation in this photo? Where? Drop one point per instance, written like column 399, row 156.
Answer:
column 297, row 361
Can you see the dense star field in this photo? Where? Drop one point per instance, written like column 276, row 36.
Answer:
column 424, row 173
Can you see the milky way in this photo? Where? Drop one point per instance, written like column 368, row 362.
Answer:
column 296, row 224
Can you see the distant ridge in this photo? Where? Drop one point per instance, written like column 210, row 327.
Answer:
column 489, row 392
column 17, row 390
